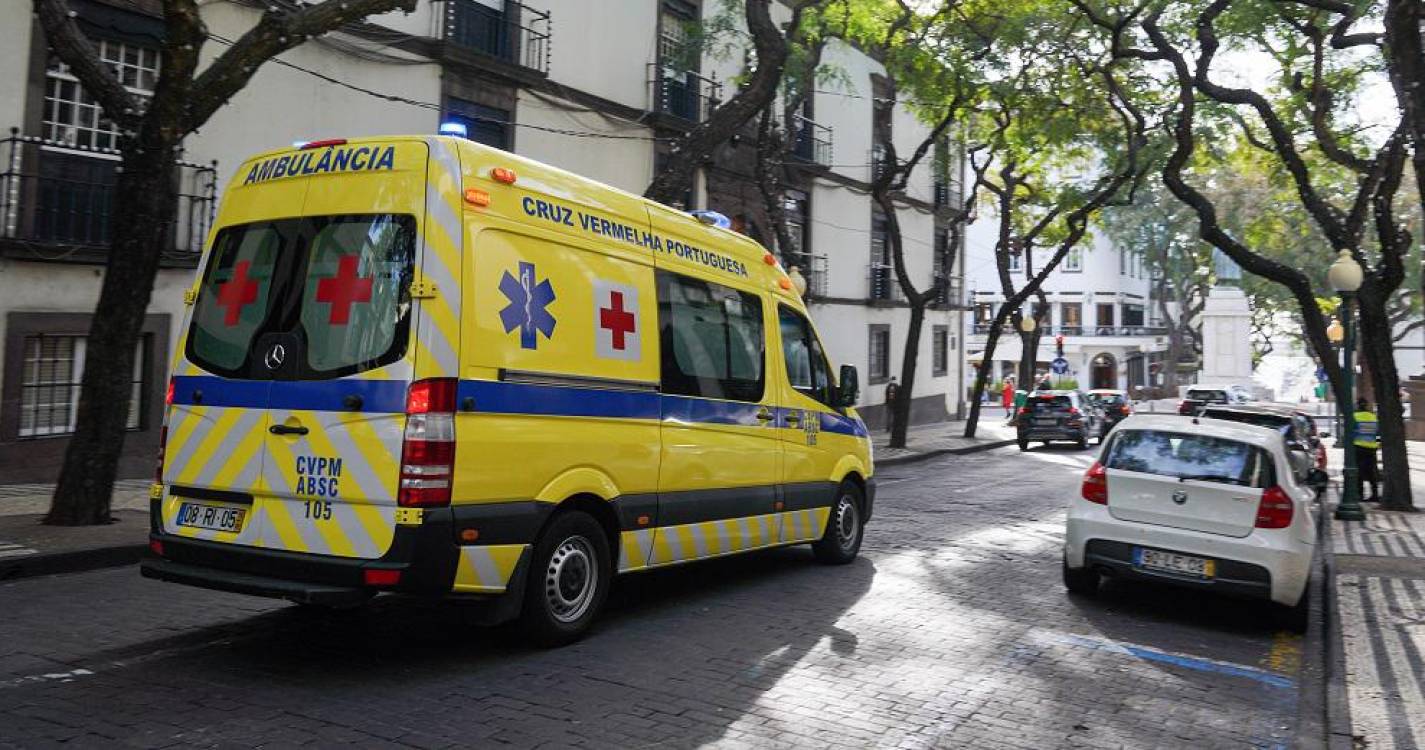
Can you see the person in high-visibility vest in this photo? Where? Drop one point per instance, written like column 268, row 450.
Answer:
column 1367, row 441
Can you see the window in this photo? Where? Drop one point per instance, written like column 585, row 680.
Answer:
column 1072, row 314
column 984, row 313
column 1133, row 315
column 1074, row 261
column 487, row 125
column 1105, row 315
column 940, row 350
column 1044, row 313
column 807, row 369
column 335, row 288
column 882, row 278
column 1176, row 454
column 879, row 368
column 49, row 385
column 1122, row 262
column 1014, row 260
column 72, row 116
column 795, row 210
column 712, row 339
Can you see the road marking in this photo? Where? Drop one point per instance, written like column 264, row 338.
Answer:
column 1285, row 656
column 47, row 677
column 1196, row 663
column 10, row 549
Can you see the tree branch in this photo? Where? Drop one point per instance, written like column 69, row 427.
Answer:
column 74, row 48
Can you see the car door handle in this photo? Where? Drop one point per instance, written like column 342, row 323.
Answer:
column 282, row 429
column 793, row 418
column 765, row 415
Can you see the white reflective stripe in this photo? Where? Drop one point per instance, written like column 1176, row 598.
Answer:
column 225, row 449
column 486, row 572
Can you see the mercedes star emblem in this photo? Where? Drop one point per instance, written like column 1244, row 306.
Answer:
column 275, row 356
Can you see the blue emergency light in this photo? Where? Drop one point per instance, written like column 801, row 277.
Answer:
column 454, row 128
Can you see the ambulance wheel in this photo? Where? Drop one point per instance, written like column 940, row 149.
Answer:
column 568, row 580
column 841, row 541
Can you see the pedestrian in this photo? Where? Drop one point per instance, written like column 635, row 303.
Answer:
column 893, row 392
column 1007, row 397
column 1367, row 441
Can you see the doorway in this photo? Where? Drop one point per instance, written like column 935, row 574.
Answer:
column 1103, row 372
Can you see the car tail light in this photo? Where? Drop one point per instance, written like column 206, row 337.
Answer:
column 1184, row 408
column 1095, row 489
column 156, row 547
column 1074, row 410
column 1321, row 456
column 1023, row 410
column 1126, row 409
column 428, row 451
column 1275, row 509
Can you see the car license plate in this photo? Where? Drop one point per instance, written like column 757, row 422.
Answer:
column 1171, row 562
column 211, row 517
column 1046, row 421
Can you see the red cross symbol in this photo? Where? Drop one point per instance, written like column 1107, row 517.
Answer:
column 237, row 292
column 343, row 289
column 618, row 320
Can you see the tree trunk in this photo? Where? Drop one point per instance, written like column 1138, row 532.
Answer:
column 145, row 208
column 1380, row 353
column 908, row 362
column 972, row 422
column 697, row 144
column 1405, row 59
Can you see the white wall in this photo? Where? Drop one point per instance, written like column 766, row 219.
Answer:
column 604, row 48
column 15, row 62
column 625, row 164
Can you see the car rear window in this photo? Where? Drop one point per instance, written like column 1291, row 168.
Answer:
column 1279, row 423
column 1183, row 455
column 1108, row 399
column 1216, row 397
column 333, row 291
column 1050, row 403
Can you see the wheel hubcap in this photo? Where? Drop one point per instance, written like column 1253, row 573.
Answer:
column 848, row 523
column 571, row 579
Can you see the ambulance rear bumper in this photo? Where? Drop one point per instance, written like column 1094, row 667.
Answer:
column 301, row 592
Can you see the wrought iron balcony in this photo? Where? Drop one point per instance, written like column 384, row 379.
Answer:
column 882, row 284
column 951, row 297
column 518, row 34
column 813, row 268
column 683, row 93
column 1092, row 331
column 55, row 197
column 811, row 141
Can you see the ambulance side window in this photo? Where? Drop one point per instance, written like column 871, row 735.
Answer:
column 712, row 339
column 807, row 369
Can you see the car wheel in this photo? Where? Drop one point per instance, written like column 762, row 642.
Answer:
column 1296, row 617
column 1081, row 581
column 568, row 580
column 1083, row 441
column 841, row 541
column 1023, row 444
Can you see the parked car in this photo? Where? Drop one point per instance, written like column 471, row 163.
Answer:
column 1208, row 504
column 1057, row 415
column 1115, row 406
column 1305, row 449
column 1197, row 398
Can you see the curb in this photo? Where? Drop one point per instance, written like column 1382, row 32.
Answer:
column 1338, row 734
column 75, row 561
column 900, row 460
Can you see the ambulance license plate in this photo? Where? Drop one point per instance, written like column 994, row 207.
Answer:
column 211, row 517
column 1171, row 562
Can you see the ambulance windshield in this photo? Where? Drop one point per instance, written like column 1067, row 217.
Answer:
column 315, row 297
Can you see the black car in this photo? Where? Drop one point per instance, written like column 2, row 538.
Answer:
column 1113, row 406
column 1196, row 399
column 1302, row 440
column 1057, row 415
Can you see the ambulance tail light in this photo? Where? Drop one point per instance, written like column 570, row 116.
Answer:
column 428, row 451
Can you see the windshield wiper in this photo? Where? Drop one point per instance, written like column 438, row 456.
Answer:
column 1211, row 478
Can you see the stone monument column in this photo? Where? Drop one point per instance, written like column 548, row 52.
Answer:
column 1226, row 329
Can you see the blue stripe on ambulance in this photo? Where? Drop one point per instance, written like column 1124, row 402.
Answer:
column 490, row 397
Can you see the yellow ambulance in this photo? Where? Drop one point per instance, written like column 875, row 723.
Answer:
column 424, row 366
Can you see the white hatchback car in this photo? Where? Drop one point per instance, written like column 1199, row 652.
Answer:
column 1194, row 502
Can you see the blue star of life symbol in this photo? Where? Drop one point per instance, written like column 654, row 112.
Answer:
column 529, row 306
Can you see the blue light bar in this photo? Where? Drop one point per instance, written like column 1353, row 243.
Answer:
column 454, row 128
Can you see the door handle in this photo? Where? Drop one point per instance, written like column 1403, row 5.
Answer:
column 793, row 418
column 282, row 429
column 765, row 415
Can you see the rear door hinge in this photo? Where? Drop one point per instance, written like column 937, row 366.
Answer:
column 423, row 289
column 190, row 296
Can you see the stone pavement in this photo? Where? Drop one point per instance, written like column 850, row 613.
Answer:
column 29, row 548
column 1379, row 570
column 944, row 438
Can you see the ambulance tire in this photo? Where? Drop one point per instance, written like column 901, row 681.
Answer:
column 569, row 578
column 841, row 541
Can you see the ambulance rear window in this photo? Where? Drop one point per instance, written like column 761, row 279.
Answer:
column 332, row 292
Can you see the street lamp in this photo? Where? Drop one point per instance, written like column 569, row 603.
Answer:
column 1345, row 276
column 1027, row 324
column 1336, row 333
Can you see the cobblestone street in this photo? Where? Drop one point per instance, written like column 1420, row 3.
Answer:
column 952, row 630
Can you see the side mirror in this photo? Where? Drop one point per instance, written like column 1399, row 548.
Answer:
column 848, row 388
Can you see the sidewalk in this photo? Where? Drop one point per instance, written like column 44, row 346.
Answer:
column 29, row 548
column 942, row 438
column 1376, row 698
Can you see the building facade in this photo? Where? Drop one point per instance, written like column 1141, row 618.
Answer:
column 595, row 88
column 1102, row 319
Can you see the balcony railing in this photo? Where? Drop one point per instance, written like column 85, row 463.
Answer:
column 1103, row 331
column 518, row 34
column 54, row 195
column 883, row 286
column 811, row 141
column 814, row 269
column 951, row 297
column 683, row 94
